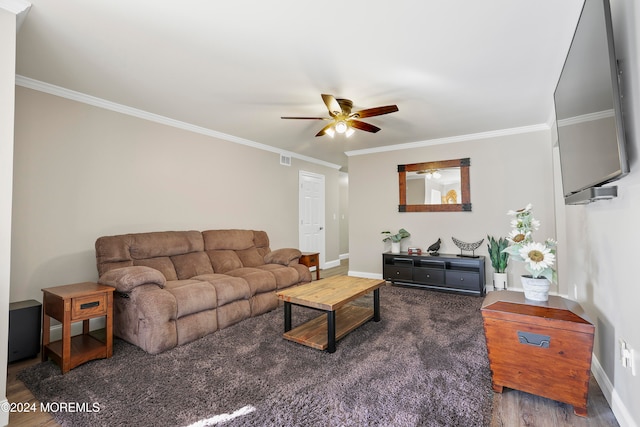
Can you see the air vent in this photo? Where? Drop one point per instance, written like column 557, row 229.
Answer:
column 285, row 160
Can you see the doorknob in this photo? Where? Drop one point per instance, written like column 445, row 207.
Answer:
column 321, row 228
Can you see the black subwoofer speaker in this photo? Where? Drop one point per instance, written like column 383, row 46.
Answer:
column 25, row 322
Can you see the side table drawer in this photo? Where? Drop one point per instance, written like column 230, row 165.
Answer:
column 88, row 307
column 309, row 260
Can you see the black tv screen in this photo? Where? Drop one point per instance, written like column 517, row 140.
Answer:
column 588, row 108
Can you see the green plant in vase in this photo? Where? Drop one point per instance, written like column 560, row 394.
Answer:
column 395, row 239
column 499, row 260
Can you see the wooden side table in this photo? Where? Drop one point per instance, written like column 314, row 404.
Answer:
column 74, row 303
column 311, row 259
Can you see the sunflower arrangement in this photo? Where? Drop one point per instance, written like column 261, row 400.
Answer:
column 538, row 258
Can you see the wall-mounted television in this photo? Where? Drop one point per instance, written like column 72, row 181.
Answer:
column 589, row 120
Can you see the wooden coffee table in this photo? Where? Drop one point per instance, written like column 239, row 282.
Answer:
column 332, row 296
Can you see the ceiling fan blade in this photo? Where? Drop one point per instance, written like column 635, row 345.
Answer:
column 332, row 105
column 363, row 126
column 307, row 118
column 324, row 129
column 377, row 111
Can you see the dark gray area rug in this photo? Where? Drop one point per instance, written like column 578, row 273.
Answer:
column 424, row 364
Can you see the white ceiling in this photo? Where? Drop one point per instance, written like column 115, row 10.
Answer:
column 454, row 67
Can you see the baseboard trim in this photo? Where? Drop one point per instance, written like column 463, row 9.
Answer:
column 331, row 264
column 618, row 407
column 364, row 275
column 4, row 415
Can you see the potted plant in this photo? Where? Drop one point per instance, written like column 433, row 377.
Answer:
column 538, row 257
column 499, row 260
column 395, row 239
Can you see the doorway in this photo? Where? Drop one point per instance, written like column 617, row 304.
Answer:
column 311, row 214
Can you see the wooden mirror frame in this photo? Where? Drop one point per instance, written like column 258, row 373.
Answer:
column 465, row 188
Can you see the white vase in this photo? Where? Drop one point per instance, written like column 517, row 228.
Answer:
column 499, row 281
column 395, row 247
column 535, row 289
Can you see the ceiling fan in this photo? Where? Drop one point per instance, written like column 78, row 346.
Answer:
column 343, row 120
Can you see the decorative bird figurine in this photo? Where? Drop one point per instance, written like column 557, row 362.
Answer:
column 434, row 248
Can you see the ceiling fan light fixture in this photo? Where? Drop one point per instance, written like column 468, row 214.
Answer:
column 341, row 126
column 342, row 118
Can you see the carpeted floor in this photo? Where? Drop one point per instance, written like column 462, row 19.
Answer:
column 423, row 364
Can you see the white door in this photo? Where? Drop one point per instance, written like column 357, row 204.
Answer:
column 311, row 214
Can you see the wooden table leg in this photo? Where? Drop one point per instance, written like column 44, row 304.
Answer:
column 46, row 335
column 109, row 325
column 580, row 411
column 66, row 338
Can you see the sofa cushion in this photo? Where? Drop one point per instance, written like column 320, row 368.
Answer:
column 197, row 325
column 165, row 243
column 250, row 257
column 162, row 264
column 282, row 256
column 190, row 265
column 236, row 240
column 285, row 276
column 228, row 288
column 125, row 279
column 258, row 280
column 260, row 239
column 192, row 296
column 261, row 303
column 233, row 313
column 224, row 260
column 303, row 272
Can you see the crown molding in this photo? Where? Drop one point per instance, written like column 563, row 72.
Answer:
column 451, row 139
column 15, row 6
column 586, row 118
column 62, row 92
column 20, row 8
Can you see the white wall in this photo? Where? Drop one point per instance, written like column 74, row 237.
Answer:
column 7, row 82
column 507, row 172
column 82, row 172
column 598, row 242
column 602, row 242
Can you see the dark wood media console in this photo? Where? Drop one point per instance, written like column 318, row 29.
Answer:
column 443, row 272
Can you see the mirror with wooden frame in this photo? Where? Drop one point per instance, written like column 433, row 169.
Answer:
column 441, row 186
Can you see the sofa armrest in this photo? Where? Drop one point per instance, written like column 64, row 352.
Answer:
column 282, row 256
column 126, row 278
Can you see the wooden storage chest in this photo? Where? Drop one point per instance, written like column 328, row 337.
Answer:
column 542, row 348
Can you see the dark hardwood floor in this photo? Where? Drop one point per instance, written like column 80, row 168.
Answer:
column 513, row 408
column 510, row 409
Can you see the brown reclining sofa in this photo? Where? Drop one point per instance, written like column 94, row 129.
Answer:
column 173, row 287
